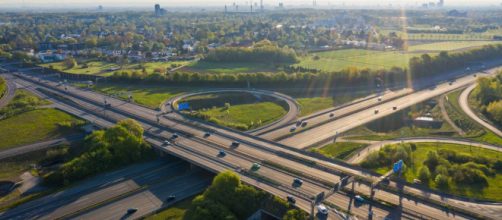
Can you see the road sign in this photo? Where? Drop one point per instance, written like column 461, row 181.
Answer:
column 397, row 166
column 183, row 106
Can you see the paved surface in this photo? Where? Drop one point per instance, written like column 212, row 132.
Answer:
column 358, row 158
column 12, row 152
column 464, row 104
column 9, row 94
column 95, row 191
column 203, row 152
column 322, row 134
column 293, row 108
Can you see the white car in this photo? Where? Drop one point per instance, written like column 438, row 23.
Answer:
column 322, row 209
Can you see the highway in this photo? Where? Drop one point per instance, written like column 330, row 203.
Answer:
column 325, row 133
column 464, row 104
column 9, row 93
column 250, row 144
column 358, row 158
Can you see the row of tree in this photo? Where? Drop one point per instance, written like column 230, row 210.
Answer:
column 107, row 149
column 262, row 52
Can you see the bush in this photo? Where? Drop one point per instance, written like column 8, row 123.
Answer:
column 424, row 174
column 441, row 181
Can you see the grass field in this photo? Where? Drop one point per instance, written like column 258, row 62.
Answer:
column 33, row 126
column 311, row 105
column 105, row 69
column 450, row 45
column 175, row 212
column 340, row 150
column 492, row 192
column 341, row 59
column 230, row 67
column 147, row 95
column 238, row 110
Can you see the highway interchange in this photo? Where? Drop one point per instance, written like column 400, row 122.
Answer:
column 202, row 151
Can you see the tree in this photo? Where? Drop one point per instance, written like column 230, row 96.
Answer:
column 432, row 160
column 295, row 214
column 424, row 174
column 441, row 181
column 495, row 111
column 70, row 62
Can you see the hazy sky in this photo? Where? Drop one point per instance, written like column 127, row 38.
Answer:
column 168, row 3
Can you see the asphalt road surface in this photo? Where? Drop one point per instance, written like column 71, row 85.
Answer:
column 39, row 146
column 464, row 104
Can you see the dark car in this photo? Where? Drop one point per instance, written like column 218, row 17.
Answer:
column 297, row 181
column 131, row 210
column 222, row 153
column 174, row 136
column 171, row 198
column 291, row 199
column 394, row 108
column 235, row 144
column 207, row 134
column 331, row 115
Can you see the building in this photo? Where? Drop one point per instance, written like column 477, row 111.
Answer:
column 159, row 11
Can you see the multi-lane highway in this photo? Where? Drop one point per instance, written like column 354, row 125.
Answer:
column 324, row 133
column 284, row 181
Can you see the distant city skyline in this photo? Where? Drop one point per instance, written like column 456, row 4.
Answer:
column 179, row 3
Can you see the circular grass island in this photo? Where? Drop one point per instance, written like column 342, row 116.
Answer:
column 238, row 110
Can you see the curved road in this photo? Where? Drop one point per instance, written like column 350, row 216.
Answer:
column 357, row 158
column 9, row 93
column 464, row 104
column 290, row 116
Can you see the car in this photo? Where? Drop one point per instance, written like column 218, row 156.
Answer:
column 322, row 209
column 174, row 136
column 380, row 98
column 255, row 166
column 394, row 108
column 207, row 134
column 417, row 181
column 291, row 199
column 298, row 123
column 238, row 169
column 468, row 69
column 304, row 123
column 292, row 129
column 131, row 210
column 298, row 181
column 359, row 198
column 376, row 111
column 475, row 75
column 222, row 153
column 450, row 83
column 331, row 115
column 166, row 142
column 235, row 144
column 171, row 198
column 169, row 103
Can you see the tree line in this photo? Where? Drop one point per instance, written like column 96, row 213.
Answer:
column 259, row 53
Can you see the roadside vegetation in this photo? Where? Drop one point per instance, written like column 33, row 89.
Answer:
column 175, row 212
column 108, row 149
column 3, row 87
column 488, row 98
column 23, row 122
column 457, row 169
column 472, row 129
column 228, row 198
column 450, row 45
column 340, row 150
column 242, row 111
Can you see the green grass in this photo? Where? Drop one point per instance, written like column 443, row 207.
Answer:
column 102, row 68
column 3, row 86
column 175, row 212
column 450, row 45
column 249, row 115
column 342, row 59
column 228, row 67
column 311, row 105
column 492, row 192
column 340, row 150
column 149, row 96
column 33, row 126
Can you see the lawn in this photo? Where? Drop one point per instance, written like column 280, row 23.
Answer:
column 340, row 150
column 94, row 67
column 311, row 105
column 492, row 192
column 228, row 67
column 450, row 45
column 3, row 86
column 33, row 126
column 174, row 212
column 147, row 95
column 341, row 59
column 238, row 110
